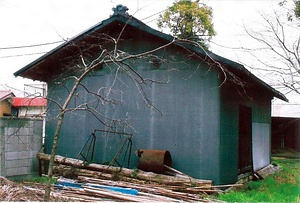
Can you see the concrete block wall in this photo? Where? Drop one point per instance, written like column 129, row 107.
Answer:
column 20, row 141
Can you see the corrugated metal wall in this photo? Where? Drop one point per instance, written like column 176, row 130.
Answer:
column 197, row 120
column 186, row 123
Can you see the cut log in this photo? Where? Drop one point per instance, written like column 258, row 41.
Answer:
column 148, row 176
column 60, row 170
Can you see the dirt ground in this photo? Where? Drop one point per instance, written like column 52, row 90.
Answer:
column 17, row 192
column 10, row 191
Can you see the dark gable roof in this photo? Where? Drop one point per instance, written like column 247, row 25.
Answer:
column 33, row 71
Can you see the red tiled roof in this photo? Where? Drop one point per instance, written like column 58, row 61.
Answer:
column 18, row 101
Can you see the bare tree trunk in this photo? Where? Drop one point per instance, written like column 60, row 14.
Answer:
column 56, row 135
column 53, row 152
column 102, row 59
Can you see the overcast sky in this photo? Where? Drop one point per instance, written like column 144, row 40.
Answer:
column 36, row 22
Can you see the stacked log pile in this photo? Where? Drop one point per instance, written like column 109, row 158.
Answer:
column 92, row 181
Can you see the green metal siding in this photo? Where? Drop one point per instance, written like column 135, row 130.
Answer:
column 229, row 140
column 187, row 123
column 197, row 120
column 259, row 102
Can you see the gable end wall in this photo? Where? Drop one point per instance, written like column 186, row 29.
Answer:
column 186, row 123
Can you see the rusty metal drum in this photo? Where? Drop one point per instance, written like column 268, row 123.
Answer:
column 153, row 160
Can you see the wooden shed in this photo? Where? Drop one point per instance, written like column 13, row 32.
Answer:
column 214, row 125
column 285, row 133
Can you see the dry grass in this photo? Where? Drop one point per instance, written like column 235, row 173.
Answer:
column 16, row 192
column 10, row 191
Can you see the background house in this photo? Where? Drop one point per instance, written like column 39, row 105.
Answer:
column 6, row 100
column 29, row 107
column 214, row 127
column 20, row 138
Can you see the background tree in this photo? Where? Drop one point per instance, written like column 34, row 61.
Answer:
column 189, row 20
column 297, row 9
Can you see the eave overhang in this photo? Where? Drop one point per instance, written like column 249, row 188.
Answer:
column 37, row 70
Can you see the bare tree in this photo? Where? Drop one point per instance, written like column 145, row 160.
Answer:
column 278, row 48
column 114, row 59
column 121, row 64
column 106, row 53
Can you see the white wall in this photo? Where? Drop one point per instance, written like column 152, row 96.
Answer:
column 261, row 143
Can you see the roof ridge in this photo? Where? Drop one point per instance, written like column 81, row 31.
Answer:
column 131, row 20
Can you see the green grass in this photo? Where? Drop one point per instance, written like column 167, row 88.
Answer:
column 283, row 186
column 41, row 179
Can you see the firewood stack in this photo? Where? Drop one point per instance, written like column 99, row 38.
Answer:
column 95, row 182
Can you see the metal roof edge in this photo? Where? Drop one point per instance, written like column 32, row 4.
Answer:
column 128, row 19
column 58, row 48
column 240, row 67
column 276, row 93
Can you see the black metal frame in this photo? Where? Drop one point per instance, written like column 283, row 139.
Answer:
column 90, row 147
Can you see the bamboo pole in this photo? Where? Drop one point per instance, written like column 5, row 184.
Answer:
column 160, row 190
